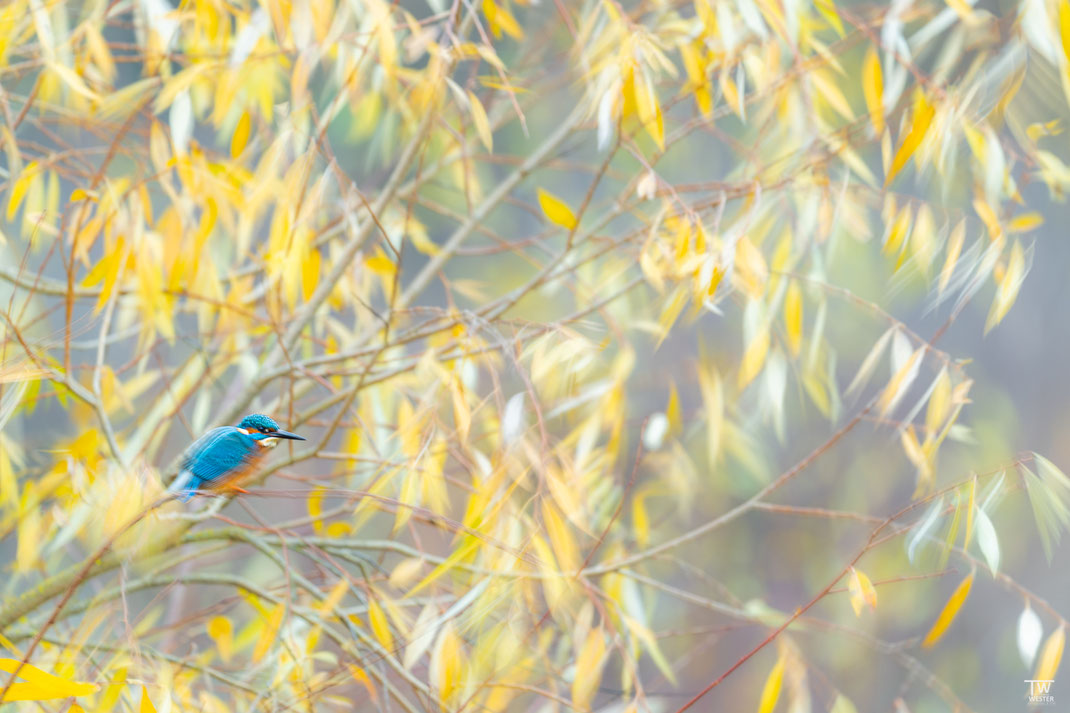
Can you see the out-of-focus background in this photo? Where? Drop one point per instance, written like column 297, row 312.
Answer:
column 652, row 356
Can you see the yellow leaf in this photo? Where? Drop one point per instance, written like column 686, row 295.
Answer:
column 714, row 406
column 240, row 137
column 556, row 210
column 501, row 20
column 948, row 614
column 771, row 689
column 19, row 188
column 30, row 538
column 1051, row 656
column 84, row 239
column 732, row 96
column 73, row 80
column 471, row 544
column 269, row 633
column 9, row 486
column 1064, row 26
column 334, row 597
column 988, row 217
column 900, row 382
column 961, row 8
column 1008, row 286
column 448, row 663
column 970, row 504
column 561, row 539
column 409, row 496
column 41, row 686
column 179, row 83
column 873, row 89
column 221, row 630
column 861, row 590
column 110, row 698
column 380, row 264
column 479, row 118
column 832, row 95
column 754, row 357
column 899, row 231
column 646, row 99
column 793, row 316
column 917, row 455
column 656, row 128
column 828, row 11
column 692, row 55
column 380, row 625
column 146, row 702
column 589, row 665
column 314, row 502
column 406, row 572
column 1025, row 222
column 672, row 410
column 751, row 268
column 939, row 404
column 919, row 126
column 339, row 529
column 668, row 316
column 361, row 677
column 650, row 642
column 954, row 249
column 310, row 272
column 462, row 415
column 640, row 519
column 98, row 49
column 159, row 147
column 417, row 233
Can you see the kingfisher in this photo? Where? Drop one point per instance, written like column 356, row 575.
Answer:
column 223, row 457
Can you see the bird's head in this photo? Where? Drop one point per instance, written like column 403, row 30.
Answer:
column 265, row 430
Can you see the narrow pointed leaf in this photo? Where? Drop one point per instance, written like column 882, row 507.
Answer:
column 40, row 685
column 987, row 540
column 771, row 689
column 919, row 127
column 873, row 89
column 1051, row 656
column 921, row 531
column 951, row 609
column 861, row 590
column 556, row 210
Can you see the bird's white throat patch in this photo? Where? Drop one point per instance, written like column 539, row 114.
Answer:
column 268, row 442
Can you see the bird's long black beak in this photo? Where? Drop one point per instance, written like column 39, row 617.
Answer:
column 287, row 434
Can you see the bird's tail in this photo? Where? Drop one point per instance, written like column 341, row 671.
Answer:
column 185, row 483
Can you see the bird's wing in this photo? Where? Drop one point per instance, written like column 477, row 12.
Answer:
column 195, row 448
column 217, row 453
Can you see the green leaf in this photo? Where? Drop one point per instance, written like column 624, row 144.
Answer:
column 1049, row 496
column 987, row 540
column 843, row 705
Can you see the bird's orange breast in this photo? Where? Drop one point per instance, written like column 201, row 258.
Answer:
column 243, row 472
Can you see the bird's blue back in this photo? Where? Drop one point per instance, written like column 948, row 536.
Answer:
column 215, row 455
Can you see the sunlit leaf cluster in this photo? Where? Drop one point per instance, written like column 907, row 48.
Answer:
column 613, row 326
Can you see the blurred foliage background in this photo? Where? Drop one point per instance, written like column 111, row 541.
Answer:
column 653, row 355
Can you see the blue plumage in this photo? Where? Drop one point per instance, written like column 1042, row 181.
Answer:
column 259, row 422
column 215, row 454
column 225, row 453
